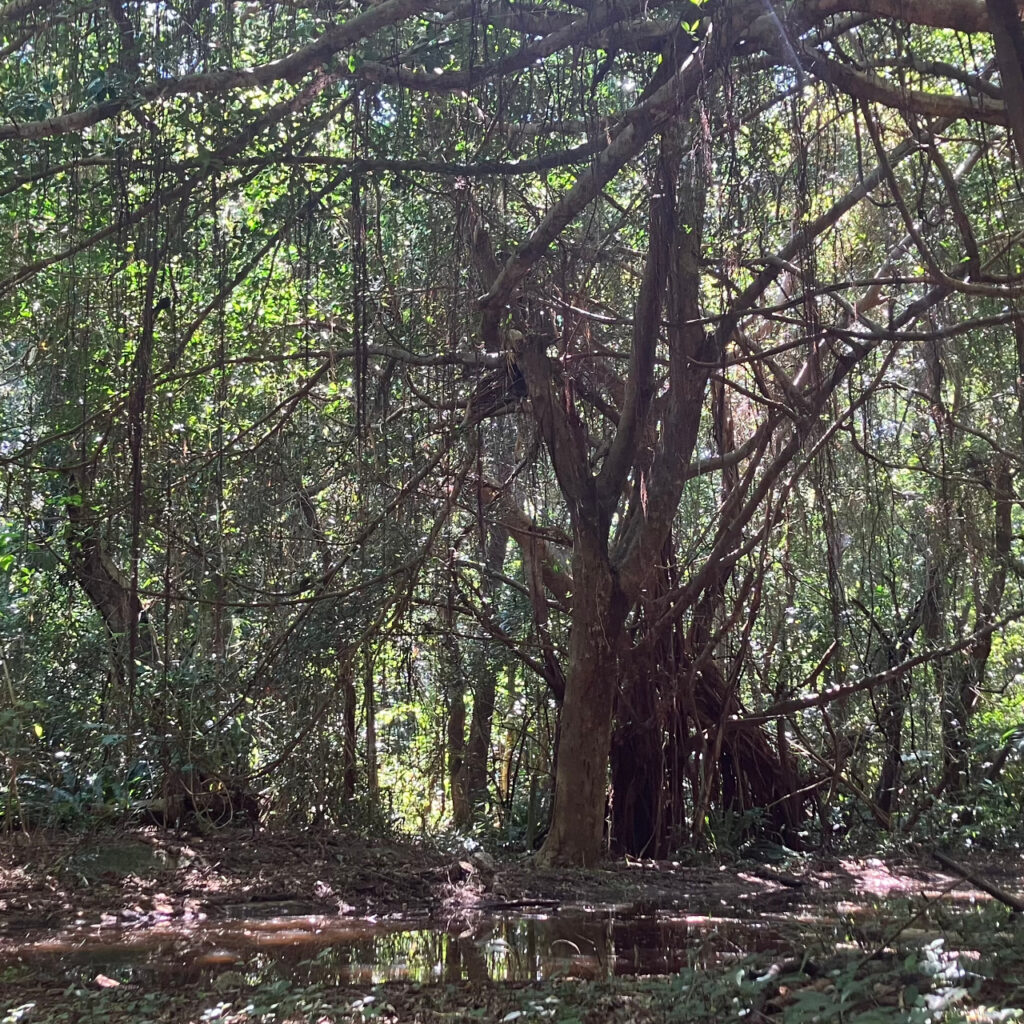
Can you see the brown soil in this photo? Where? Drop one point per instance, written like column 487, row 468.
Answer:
column 48, row 882
column 51, row 882
column 150, row 883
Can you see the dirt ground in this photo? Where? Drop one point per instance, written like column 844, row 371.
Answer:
column 49, row 881
column 145, row 880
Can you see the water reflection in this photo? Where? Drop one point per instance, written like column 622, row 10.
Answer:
column 344, row 951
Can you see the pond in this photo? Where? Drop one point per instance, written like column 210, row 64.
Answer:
column 522, row 960
column 268, row 942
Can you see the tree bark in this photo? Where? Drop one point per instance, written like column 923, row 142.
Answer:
column 106, row 586
column 595, row 641
column 607, row 585
column 1008, row 35
column 638, row 769
column 348, row 750
column 473, row 777
column 370, row 710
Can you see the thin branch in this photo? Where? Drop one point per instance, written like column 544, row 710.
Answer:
column 784, row 708
column 290, row 68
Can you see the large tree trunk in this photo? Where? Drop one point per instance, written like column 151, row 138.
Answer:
column 642, row 478
column 581, row 779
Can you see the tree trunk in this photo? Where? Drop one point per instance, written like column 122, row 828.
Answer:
column 893, row 650
column 461, row 807
column 581, row 779
column 370, row 709
column 479, row 744
column 110, row 591
column 890, row 723
column 638, row 770
column 454, row 682
column 471, row 781
column 650, row 477
column 348, row 750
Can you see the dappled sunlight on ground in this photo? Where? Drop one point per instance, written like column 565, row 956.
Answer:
column 129, row 916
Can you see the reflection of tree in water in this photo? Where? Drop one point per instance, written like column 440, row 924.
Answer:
column 600, row 945
column 342, row 953
column 465, row 960
column 415, row 955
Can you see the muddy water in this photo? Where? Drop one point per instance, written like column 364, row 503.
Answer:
column 307, row 948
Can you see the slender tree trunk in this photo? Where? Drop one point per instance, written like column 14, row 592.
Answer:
column 348, row 750
column 895, row 700
column 456, row 754
column 108, row 588
column 955, row 732
column 965, row 683
column 461, row 807
column 479, row 744
column 370, row 710
column 890, row 722
column 469, row 786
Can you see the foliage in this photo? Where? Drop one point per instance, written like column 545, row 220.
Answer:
column 349, row 351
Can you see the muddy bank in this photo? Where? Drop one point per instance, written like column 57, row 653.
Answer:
column 145, row 876
column 148, row 926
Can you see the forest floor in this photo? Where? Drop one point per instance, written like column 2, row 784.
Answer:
column 145, row 925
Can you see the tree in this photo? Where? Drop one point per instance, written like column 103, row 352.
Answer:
column 278, row 273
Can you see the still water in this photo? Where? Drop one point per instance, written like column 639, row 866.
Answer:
column 307, row 948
